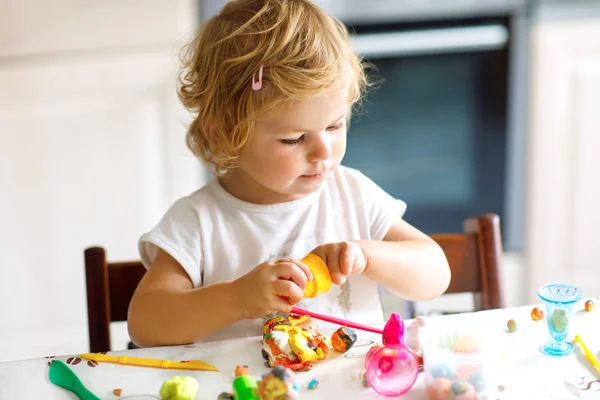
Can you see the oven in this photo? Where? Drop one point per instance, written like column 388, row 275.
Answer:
column 444, row 129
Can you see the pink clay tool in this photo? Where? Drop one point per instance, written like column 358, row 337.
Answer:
column 337, row 321
column 392, row 369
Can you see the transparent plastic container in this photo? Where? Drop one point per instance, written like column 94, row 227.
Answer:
column 460, row 365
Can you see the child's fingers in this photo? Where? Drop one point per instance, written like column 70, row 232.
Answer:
column 289, row 289
column 282, row 305
column 347, row 258
column 291, row 271
column 333, row 262
column 300, row 265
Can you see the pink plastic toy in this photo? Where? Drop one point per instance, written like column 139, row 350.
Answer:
column 392, row 369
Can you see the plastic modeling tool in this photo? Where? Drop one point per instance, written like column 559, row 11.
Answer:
column 196, row 365
column 61, row 375
column 337, row 321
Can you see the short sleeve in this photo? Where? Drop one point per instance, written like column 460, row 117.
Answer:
column 178, row 234
column 382, row 209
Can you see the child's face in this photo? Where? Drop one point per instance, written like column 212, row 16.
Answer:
column 292, row 151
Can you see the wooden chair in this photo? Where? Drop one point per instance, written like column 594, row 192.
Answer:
column 110, row 287
column 475, row 259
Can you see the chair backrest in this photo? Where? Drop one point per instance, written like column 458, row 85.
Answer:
column 110, row 287
column 475, row 259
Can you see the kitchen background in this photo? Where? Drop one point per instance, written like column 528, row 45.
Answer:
column 486, row 106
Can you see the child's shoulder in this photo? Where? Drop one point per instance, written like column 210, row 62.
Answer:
column 350, row 178
column 201, row 199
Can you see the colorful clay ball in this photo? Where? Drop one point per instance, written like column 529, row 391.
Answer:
column 313, row 384
column 365, row 381
column 478, row 382
column 512, row 325
column 590, row 305
column 343, row 339
column 537, row 314
column 560, row 320
column 441, row 371
column 278, row 384
column 463, row 390
column 439, row 389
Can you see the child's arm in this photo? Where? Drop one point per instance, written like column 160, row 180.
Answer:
column 407, row 262
column 167, row 310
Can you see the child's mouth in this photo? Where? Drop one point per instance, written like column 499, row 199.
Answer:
column 315, row 176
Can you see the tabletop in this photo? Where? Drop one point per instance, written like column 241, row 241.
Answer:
column 527, row 373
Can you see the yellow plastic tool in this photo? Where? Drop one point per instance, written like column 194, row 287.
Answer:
column 588, row 354
column 321, row 282
column 151, row 362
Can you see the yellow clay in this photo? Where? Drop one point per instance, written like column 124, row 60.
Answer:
column 179, row 388
column 321, row 282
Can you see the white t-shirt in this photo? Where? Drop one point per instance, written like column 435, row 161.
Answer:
column 217, row 237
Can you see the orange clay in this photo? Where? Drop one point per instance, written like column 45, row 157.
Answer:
column 537, row 314
column 241, row 370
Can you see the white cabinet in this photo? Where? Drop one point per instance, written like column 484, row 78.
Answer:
column 92, row 152
column 564, row 152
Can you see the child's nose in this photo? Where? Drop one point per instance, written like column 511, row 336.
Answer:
column 321, row 149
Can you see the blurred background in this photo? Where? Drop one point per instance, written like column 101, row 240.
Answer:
column 485, row 106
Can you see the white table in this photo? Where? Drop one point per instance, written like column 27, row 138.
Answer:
column 529, row 374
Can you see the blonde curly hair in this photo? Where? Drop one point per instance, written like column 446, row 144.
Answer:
column 303, row 51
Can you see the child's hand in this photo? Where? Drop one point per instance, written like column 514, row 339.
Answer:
column 272, row 286
column 343, row 259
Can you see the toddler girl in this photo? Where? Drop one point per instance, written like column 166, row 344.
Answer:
column 271, row 84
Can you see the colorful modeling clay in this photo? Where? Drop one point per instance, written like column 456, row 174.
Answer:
column 590, row 305
column 321, row 282
column 467, row 344
column 411, row 334
column 560, row 320
column 365, row 381
column 343, row 339
column 512, row 325
column 293, row 342
column 537, row 314
column 462, row 390
column 117, row 392
column 179, row 388
column 313, row 384
column 439, row 389
column 244, row 386
column 278, row 385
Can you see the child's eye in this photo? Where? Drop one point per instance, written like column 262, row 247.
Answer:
column 292, row 141
column 335, row 127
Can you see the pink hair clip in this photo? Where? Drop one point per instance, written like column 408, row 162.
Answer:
column 256, row 85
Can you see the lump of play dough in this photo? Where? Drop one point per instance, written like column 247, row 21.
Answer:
column 343, row 339
column 589, row 305
column 512, row 325
column 439, row 389
column 411, row 334
column 293, row 342
column 278, row 385
column 560, row 320
column 537, row 314
column 179, row 388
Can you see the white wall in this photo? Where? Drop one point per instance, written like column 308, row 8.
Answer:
column 563, row 214
column 91, row 152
